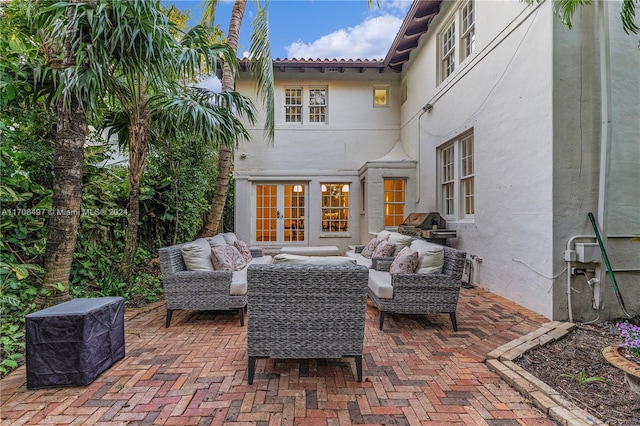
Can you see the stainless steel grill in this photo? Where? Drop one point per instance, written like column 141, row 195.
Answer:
column 430, row 226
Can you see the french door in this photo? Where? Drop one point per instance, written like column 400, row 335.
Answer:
column 280, row 211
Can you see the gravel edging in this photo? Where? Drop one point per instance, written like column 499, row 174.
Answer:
column 544, row 397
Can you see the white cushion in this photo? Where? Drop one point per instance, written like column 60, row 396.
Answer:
column 229, row 237
column 380, row 284
column 383, row 235
column 197, row 255
column 313, row 260
column 360, row 259
column 239, row 279
column 430, row 257
column 217, row 241
column 400, row 240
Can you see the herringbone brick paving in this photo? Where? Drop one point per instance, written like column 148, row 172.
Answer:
column 418, row 371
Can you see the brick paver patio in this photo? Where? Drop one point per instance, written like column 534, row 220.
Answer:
column 418, row 371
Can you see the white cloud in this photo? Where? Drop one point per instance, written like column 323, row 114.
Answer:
column 369, row 40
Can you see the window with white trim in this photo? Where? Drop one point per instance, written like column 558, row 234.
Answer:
column 468, row 33
column 335, row 207
column 293, row 105
column 394, row 196
column 448, row 60
column 457, row 178
column 458, row 35
column 305, row 104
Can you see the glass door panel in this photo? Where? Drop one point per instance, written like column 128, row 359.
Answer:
column 267, row 213
column 280, row 212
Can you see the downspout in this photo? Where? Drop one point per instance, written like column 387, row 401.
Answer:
column 605, row 131
column 424, row 110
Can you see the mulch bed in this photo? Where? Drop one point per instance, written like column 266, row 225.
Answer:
column 567, row 365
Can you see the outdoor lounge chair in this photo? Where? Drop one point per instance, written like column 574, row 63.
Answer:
column 306, row 311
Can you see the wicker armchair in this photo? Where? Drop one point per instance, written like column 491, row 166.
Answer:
column 306, row 311
column 424, row 293
column 197, row 290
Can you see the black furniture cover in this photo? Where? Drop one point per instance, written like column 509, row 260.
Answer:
column 70, row 344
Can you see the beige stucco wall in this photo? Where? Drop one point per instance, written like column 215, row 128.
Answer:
column 355, row 132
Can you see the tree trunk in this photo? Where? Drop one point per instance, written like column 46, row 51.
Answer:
column 138, row 143
column 64, row 220
column 225, row 152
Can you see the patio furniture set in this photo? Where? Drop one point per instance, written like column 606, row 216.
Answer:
column 311, row 306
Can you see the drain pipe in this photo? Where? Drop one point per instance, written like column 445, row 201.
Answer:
column 605, row 128
column 567, row 257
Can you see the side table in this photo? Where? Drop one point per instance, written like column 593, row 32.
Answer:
column 70, row 344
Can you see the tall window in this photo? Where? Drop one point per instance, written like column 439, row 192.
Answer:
column 468, row 36
column 394, row 194
column 317, row 105
column 459, row 35
column 335, row 207
column 457, row 179
column 449, row 50
column 293, row 105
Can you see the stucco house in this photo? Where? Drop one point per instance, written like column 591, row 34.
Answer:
column 493, row 114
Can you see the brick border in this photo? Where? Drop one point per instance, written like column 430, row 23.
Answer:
column 547, row 399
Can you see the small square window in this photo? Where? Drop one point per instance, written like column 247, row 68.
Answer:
column 380, row 96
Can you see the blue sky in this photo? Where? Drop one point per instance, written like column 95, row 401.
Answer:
column 303, row 29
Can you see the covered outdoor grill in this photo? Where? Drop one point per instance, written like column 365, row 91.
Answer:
column 430, row 226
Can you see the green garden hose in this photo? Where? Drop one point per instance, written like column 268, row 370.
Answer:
column 606, row 261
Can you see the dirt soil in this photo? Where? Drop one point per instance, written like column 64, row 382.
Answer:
column 561, row 364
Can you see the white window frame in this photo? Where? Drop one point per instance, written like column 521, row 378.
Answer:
column 456, row 40
column 456, row 178
column 448, row 50
column 467, row 30
column 288, row 105
column 312, row 111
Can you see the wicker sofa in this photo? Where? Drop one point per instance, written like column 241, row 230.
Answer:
column 306, row 311
column 414, row 293
column 203, row 290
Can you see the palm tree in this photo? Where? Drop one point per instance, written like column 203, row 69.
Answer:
column 62, row 226
column 260, row 62
column 125, row 54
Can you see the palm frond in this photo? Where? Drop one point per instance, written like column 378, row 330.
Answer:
column 209, row 13
column 261, row 66
column 628, row 15
column 204, row 112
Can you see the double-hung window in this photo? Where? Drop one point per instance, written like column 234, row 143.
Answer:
column 457, row 40
column 448, row 61
column 305, row 105
column 293, row 105
column 457, row 178
column 468, row 34
column 394, row 196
